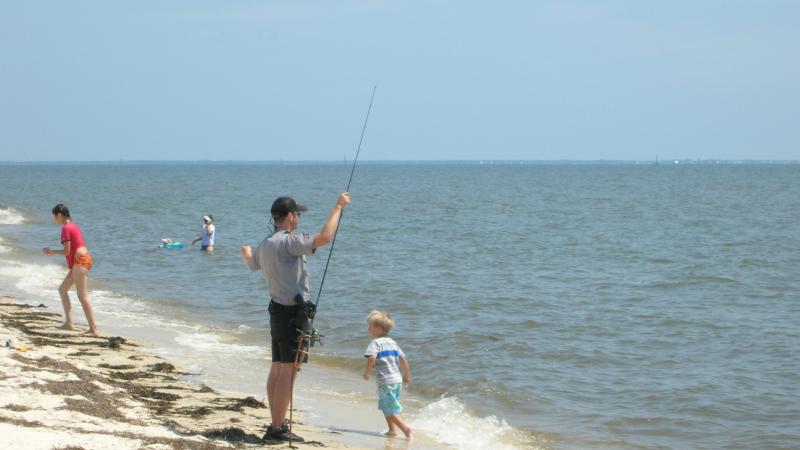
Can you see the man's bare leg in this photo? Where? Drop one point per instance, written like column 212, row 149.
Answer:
column 282, row 391
column 272, row 381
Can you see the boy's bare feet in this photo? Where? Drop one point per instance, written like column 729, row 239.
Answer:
column 66, row 326
column 94, row 333
column 390, row 434
column 407, row 431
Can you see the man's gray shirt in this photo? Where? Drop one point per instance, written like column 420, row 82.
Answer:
column 281, row 257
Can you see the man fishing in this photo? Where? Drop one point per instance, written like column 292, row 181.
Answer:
column 281, row 259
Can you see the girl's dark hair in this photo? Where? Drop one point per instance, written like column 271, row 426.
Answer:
column 61, row 209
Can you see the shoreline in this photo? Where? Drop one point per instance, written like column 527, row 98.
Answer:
column 233, row 357
column 70, row 389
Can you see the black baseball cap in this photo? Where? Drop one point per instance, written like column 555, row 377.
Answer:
column 282, row 206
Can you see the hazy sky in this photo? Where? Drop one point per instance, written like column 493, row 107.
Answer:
column 267, row 80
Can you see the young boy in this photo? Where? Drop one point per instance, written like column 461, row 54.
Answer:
column 391, row 369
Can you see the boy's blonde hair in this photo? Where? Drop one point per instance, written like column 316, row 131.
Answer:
column 382, row 320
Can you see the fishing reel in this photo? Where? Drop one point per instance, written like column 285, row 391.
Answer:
column 315, row 336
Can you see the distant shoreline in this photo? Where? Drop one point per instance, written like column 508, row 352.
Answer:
column 504, row 162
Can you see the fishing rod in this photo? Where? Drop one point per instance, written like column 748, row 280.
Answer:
column 307, row 337
column 352, row 171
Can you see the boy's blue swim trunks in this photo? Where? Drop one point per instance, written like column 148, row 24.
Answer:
column 389, row 399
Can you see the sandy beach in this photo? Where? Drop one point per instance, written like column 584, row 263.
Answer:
column 61, row 389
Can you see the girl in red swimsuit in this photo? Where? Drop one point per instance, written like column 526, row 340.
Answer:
column 79, row 262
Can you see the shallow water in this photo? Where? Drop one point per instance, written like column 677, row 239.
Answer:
column 568, row 306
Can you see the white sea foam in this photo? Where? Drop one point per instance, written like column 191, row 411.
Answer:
column 10, row 216
column 241, row 329
column 35, row 279
column 448, row 422
column 213, row 342
column 40, row 282
column 123, row 306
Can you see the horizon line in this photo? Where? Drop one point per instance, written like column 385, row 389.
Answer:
column 667, row 161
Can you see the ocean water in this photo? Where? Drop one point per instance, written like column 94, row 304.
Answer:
column 549, row 306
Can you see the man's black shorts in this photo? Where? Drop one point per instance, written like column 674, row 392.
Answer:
column 283, row 331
